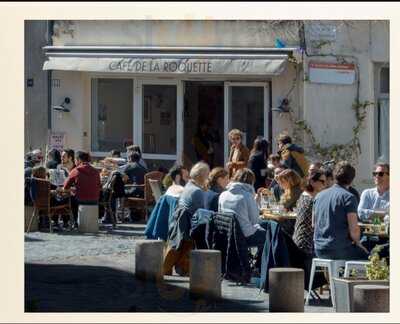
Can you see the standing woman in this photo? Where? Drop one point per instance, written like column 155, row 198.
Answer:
column 258, row 162
column 239, row 154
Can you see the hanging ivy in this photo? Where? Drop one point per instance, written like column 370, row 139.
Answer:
column 349, row 151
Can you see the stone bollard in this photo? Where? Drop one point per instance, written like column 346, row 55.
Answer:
column 88, row 218
column 371, row 298
column 286, row 290
column 205, row 274
column 149, row 260
column 28, row 216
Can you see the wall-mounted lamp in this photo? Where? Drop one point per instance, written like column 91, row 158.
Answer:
column 61, row 107
column 283, row 107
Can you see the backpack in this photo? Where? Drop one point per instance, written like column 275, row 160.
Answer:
column 300, row 164
column 117, row 185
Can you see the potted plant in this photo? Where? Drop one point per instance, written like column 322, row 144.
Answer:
column 377, row 273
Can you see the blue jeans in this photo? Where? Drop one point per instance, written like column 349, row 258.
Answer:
column 351, row 253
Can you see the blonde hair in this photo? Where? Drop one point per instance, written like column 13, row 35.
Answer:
column 292, row 178
column 200, row 169
column 235, row 132
column 214, row 175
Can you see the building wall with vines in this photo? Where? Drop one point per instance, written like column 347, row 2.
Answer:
column 338, row 121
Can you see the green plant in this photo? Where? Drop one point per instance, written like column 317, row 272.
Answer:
column 377, row 269
column 348, row 151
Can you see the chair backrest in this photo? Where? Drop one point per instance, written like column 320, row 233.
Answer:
column 155, row 188
column 40, row 192
column 229, row 239
column 154, row 175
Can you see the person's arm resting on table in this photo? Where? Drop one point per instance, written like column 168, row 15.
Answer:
column 365, row 208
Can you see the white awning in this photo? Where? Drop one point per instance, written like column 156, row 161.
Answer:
column 168, row 63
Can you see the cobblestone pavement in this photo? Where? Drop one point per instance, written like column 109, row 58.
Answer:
column 72, row 272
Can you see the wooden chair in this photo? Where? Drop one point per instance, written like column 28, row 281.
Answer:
column 144, row 203
column 155, row 186
column 41, row 203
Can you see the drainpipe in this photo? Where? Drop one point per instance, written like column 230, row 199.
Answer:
column 49, row 42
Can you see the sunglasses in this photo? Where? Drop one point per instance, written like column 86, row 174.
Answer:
column 379, row 174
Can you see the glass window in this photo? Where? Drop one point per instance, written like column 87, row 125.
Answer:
column 247, row 112
column 112, row 114
column 384, row 80
column 159, row 119
column 383, row 129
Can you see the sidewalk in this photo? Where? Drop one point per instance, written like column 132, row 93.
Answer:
column 71, row 272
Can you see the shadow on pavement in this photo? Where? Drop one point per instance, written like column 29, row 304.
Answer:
column 73, row 288
column 32, row 239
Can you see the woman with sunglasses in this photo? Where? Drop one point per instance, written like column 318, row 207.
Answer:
column 239, row 153
column 303, row 230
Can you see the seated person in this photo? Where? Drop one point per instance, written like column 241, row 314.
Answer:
column 54, row 159
column 290, row 182
column 239, row 198
column 55, row 200
column 136, row 148
column 274, row 161
column 134, row 173
column 191, row 199
column 115, row 157
column 179, row 177
column 303, row 230
column 68, row 160
column 33, row 158
column 216, row 184
column 336, row 229
column 274, row 186
column 315, row 166
column 378, row 198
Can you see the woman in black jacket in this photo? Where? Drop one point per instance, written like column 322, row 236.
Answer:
column 258, row 162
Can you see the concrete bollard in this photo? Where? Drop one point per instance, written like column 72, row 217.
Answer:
column 371, row 298
column 88, row 218
column 28, row 216
column 286, row 290
column 149, row 260
column 205, row 274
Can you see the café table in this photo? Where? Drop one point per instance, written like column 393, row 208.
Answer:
column 371, row 230
column 285, row 219
column 268, row 214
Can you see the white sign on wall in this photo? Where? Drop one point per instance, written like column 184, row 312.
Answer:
column 56, row 140
column 332, row 73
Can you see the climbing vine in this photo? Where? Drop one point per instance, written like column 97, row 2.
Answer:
column 349, row 151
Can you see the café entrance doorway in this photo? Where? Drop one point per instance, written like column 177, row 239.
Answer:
column 203, row 116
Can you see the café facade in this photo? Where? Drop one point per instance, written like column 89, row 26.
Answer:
column 154, row 83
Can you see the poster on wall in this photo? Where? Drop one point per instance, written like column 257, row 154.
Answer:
column 331, row 73
column 56, row 140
